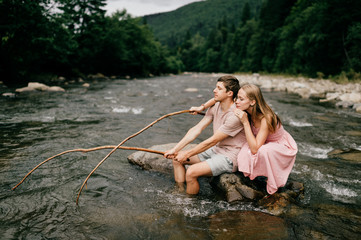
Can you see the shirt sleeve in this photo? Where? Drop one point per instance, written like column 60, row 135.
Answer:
column 232, row 125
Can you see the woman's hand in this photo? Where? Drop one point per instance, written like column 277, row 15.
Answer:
column 242, row 115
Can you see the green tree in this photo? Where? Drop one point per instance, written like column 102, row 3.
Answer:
column 210, row 62
column 129, row 48
column 352, row 46
column 238, row 46
column 86, row 19
column 29, row 38
column 192, row 53
column 255, row 49
column 313, row 38
column 272, row 18
column 246, row 13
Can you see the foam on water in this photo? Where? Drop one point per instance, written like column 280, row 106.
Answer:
column 124, row 109
column 47, row 119
column 108, row 98
column 336, row 186
column 338, row 190
column 300, row 124
column 137, row 110
column 344, row 180
column 194, row 207
column 121, row 109
column 313, row 151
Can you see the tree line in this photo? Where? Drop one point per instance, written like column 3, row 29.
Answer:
column 198, row 17
column 45, row 38
column 316, row 38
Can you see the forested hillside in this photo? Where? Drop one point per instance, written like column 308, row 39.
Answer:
column 44, row 39
column 317, row 38
column 170, row 28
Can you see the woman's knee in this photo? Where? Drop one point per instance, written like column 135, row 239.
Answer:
column 265, row 149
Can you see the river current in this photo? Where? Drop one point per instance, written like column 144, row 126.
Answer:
column 121, row 200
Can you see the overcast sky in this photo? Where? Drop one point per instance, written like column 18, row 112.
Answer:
column 139, row 8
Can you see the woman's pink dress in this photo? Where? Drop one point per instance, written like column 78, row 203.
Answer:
column 273, row 160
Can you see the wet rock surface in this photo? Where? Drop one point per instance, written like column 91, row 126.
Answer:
column 152, row 161
column 346, row 154
column 234, row 186
column 238, row 188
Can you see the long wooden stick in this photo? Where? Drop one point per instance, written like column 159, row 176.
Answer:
column 85, row 150
column 122, row 142
column 107, row 147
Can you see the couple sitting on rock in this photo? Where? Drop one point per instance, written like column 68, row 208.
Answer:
column 247, row 136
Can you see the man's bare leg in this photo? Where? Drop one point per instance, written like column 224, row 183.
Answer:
column 180, row 170
column 195, row 171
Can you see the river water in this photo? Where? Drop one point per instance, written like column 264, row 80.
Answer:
column 123, row 201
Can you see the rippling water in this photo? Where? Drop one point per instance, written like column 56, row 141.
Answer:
column 124, row 202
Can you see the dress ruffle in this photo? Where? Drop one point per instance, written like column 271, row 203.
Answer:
column 274, row 160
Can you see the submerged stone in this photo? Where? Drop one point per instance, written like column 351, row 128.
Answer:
column 247, row 225
column 346, row 154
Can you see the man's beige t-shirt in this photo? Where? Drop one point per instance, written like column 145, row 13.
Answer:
column 228, row 123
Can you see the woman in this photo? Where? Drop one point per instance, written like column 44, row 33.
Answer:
column 270, row 150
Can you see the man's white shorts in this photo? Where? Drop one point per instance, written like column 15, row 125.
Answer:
column 217, row 162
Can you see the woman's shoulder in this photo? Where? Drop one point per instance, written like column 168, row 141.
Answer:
column 260, row 121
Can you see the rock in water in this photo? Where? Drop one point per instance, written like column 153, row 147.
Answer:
column 152, row 161
column 346, row 154
column 35, row 86
column 247, row 225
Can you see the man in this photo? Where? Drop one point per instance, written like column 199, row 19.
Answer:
column 217, row 154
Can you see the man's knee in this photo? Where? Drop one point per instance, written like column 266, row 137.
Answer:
column 176, row 164
column 191, row 174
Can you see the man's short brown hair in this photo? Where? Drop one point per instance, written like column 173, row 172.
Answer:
column 231, row 83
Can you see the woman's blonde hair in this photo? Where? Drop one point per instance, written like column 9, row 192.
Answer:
column 253, row 92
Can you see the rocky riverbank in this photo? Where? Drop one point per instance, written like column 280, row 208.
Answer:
column 341, row 95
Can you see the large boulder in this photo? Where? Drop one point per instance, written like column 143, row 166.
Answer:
column 238, row 188
column 234, row 186
column 154, row 162
column 357, row 107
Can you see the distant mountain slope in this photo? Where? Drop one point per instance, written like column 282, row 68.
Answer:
column 170, row 28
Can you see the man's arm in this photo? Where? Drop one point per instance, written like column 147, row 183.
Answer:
column 192, row 134
column 201, row 147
